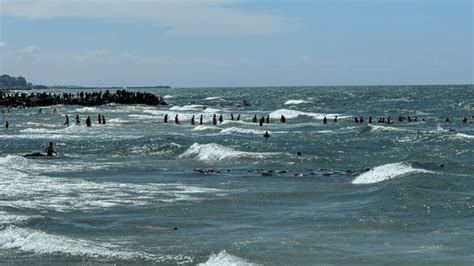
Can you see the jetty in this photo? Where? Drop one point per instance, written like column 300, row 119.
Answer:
column 96, row 98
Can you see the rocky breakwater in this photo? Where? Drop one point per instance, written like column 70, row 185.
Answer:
column 20, row 99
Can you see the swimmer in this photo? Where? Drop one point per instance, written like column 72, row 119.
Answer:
column 88, row 121
column 325, row 120
column 283, row 119
column 254, row 119
column 266, row 135
column 49, row 150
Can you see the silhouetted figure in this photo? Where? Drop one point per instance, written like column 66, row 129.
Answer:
column 78, row 121
column 283, row 119
column 361, row 120
column 176, row 120
column 192, row 120
column 7, row 125
column 238, row 117
column 49, row 150
column 325, row 120
column 267, row 120
column 88, row 121
column 103, row 120
column 200, row 120
column 356, row 120
column 416, row 118
column 447, row 119
column 370, row 120
column 464, row 120
column 254, row 119
column 221, row 119
column 400, row 119
column 40, row 110
column 232, row 116
column 67, row 121
column 214, row 120
column 54, row 111
column 266, row 135
column 335, row 119
column 262, row 120
column 165, row 120
column 99, row 119
column 388, row 120
column 299, row 153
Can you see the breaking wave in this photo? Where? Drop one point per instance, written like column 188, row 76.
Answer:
column 386, row 172
column 224, row 258
column 215, row 152
column 295, row 102
column 294, row 113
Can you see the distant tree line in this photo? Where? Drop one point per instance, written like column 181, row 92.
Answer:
column 17, row 83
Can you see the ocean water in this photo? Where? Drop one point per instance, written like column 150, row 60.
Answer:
column 400, row 193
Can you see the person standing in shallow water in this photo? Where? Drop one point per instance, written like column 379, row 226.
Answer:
column 67, row 121
column 214, row 120
column 49, row 150
column 7, row 125
column 99, row 119
column 176, row 120
column 200, row 120
column 325, row 120
column 78, row 121
column 88, row 121
column 283, row 119
column 103, row 120
column 266, row 135
column 165, row 120
column 192, row 120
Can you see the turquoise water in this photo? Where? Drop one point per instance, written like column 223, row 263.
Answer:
column 380, row 194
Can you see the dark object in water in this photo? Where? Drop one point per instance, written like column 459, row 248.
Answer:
column 266, row 135
column 35, row 155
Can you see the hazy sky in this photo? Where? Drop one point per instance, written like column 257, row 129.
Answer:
column 237, row 42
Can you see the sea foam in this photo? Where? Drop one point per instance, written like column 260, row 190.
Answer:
column 295, row 102
column 215, row 152
column 288, row 113
column 224, row 258
column 386, row 172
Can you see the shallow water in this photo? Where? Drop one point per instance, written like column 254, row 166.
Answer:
column 378, row 194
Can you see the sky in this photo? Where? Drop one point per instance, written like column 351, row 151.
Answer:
column 212, row 43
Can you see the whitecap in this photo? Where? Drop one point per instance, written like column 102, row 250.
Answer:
column 192, row 107
column 168, row 97
column 288, row 113
column 379, row 128
column 233, row 130
column 464, row 136
column 224, row 258
column 212, row 98
column 215, row 152
column 38, row 242
column 386, row 172
column 295, row 102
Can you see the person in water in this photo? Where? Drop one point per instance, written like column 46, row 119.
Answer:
column 192, row 120
column 261, row 121
column 99, row 119
column 335, row 119
column 267, row 120
column 103, row 120
column 7, row 125
column 78, row 121
column 238, row 117
column 325, row 120
column 214, row 120
column 221, row 119
column 88, row 121
column 49, row 150
column 67, row 121
column 266, row 135
column 283, row 119
column 232, row 116
column 176, row 120
column 200, row 120
column 254, row 119
column 166, row 119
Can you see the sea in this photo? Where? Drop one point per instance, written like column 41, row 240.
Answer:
column 140, row 191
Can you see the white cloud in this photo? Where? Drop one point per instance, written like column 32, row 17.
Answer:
column 3, row 44
column 187, row 17
column 29, row 50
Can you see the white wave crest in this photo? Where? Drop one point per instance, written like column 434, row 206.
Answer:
column 295, row 113
column 204, row 128
column 192, row 107
column 386, row 172
column 215, row 152
column 378, row 128
column 212, row 98
column 464, row 136
column 233, row 130
column 224, row 258
column 39, row 242
column 295, row 102
column 168, row 97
